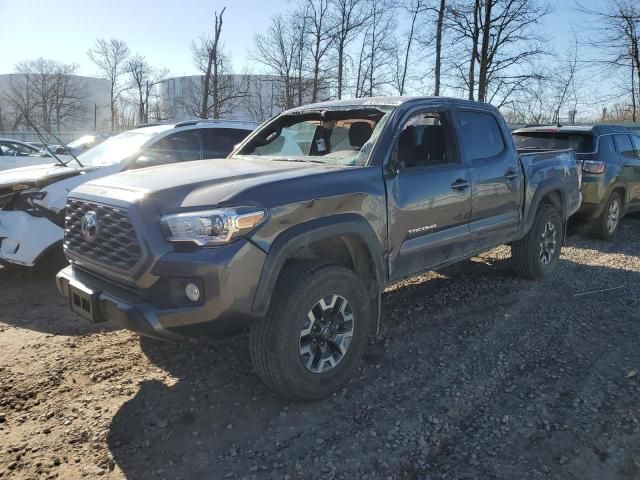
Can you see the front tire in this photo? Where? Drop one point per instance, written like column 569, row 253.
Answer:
column 536, row 255
column 606, row 225
column 315, row 332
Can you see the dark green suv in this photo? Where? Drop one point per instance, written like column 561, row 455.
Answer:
column 610, row 158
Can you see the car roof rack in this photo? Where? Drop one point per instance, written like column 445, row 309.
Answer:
column 151, row 124
column 198, row 121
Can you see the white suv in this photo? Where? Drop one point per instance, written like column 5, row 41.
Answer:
column 32, row 199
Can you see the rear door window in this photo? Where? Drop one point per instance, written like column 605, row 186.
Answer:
column 179, row 147
column 219, row 142
column 480, row 135
column 579, row 142
column 624, row 146
column 636, row 143
column 606, row 145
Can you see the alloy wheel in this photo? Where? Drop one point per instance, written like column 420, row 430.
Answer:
column 326, row 334
column 548, row 243
column 613, row 216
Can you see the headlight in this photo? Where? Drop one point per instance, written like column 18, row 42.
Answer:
column 212, row 227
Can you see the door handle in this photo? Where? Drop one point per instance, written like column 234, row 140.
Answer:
column 627, row 164
column 460, row 184
column 511, row 174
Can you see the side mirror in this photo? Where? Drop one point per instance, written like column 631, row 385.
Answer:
column 395, row 163
column 60, row 151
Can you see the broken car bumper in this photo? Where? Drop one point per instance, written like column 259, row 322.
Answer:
column 24, row 238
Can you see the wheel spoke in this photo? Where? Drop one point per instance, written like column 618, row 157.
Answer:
column 326, row 333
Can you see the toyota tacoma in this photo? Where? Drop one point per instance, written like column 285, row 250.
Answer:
column 296, row 235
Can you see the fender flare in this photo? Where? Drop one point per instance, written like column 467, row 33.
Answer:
column 617, row 186
column 305, row 233
column 545, row 187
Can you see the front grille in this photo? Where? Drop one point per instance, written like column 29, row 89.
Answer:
column 116, row 244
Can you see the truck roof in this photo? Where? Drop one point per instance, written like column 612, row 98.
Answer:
column 387, row 101
column 593, row 129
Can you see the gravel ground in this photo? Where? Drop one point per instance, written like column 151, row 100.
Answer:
column 475, row 374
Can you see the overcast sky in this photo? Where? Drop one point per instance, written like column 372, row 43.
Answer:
column 162, row 30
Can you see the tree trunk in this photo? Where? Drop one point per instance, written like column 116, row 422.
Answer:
column 484, row 53
column 474, row 49
column 633, row 94
column 438, row 45
column 113, row 108
column 204, row 108
column 406, row 53
column 340, row 65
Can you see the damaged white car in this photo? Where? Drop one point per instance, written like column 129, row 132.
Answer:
column 33, row 199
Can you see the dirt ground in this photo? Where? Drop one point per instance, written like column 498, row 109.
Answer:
column 476, row 374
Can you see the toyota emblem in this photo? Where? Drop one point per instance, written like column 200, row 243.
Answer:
column 89, row 226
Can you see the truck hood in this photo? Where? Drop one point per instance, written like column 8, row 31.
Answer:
column 37, row 175
column 196, row 183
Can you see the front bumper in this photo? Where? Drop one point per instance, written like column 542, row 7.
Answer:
column 227, row 276
column 24, row 238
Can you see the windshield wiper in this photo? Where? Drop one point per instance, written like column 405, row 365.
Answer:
column 302, row 160
column 41, row 138
column 65, row 147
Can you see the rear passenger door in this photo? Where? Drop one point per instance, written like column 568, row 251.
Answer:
column 635, row 172
column 496, row 177
column 627, row 157
column 429, row 197
column 181, row 146
column 219, row 142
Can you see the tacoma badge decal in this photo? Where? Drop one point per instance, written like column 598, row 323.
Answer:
column 426, row 228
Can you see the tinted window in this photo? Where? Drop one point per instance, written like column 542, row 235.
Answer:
column 424, row 141
column 579, row 142
column 15, row 149
column 480, row 135
column 179, row 147
column 636, row 143
column 606, row 145
column 624, row 146
column 219, row 142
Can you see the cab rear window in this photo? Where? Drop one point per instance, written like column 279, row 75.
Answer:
column 580, row 142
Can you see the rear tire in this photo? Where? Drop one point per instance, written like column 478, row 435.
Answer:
column 315, row 332
column 537, row 254
column 605, row 226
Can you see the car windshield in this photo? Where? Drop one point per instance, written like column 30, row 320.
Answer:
column 580, row 142
column 116, row 149
column 339, row 137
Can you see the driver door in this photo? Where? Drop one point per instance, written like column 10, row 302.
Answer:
column 429, row 198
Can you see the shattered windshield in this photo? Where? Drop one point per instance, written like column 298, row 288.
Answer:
column 340, row 137
column 116, row 149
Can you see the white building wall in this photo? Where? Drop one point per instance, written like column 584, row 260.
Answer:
column 261, row 97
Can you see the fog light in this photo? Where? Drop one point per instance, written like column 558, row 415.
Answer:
column 192, row 292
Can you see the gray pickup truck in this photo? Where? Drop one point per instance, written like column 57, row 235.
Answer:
column 299, row 231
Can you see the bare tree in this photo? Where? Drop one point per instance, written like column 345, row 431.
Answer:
column 110, row 57
column 377, row 51
column 48, row 92
column 144, row 79
column 210, row 50
column 321, row 31
column 615, row 30
column 504, row 41
column 278, row 49
column 260, row 98
column 350, row 17
column 439, row 32
column 218, row 93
